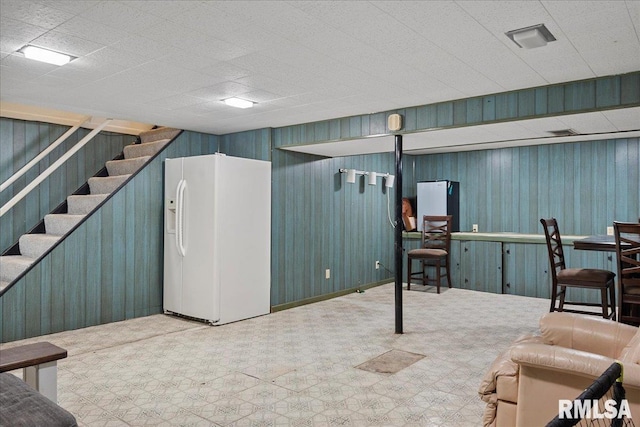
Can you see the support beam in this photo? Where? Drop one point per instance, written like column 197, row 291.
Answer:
column 398, row 237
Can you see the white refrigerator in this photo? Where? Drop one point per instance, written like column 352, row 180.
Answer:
column 217, row 238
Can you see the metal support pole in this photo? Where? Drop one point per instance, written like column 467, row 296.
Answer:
column 398, row 229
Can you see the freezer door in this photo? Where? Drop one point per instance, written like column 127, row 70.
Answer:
column 172, row 285
column 432, row 199
column 200, row 284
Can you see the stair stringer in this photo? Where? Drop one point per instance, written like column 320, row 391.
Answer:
column 83, row 282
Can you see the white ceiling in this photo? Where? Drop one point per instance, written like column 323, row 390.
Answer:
column 171, row 62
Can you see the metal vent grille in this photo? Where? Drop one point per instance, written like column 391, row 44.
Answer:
column 563, row 132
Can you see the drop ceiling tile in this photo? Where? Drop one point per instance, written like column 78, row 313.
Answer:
column 165, row 9
column 120, row 16
column 618, row 58
column 34, row 13
column 168, row 70
column 188, row 85
column 258, row 63
column 290, row 54
column 599, row 13
column 624, row 119
column 260, row 96
column 508, row 132
column 208, row 108
column 112, row 55
column 542, row 126
column 66, row 43
column 174, row 102
column 144, row 47
column 84, row 70
column 12, row 28
column 20, row 79
column 554, row 69
column 276, row 86
column 502, row 16
column 220, row 91
column 73, row 7
column 277, row 18
column 10, row 46
column 587, row 123
column 208, row 18
column 31, row 69
column 634, row 12
column 90, row 30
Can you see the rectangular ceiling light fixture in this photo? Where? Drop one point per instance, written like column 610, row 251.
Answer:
column 238, row 103
column 531, row 37
column 46, row 55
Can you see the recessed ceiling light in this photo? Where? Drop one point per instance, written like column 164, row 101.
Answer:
column 238, row 103
column 45, row 55
column 531, row 37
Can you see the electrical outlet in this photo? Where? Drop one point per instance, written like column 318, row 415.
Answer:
column 327, row 274
column 475, row 228
column 610, row 231
column 377, row 265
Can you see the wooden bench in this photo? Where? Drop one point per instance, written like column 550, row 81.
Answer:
column 39, row 364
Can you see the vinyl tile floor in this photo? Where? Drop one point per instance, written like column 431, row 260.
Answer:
column 295, row 367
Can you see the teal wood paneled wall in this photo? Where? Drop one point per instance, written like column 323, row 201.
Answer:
column 108, row 269
column 20, row 142
column 251, row 144
column 320, row 222
column 585, row 185
column 566, row 98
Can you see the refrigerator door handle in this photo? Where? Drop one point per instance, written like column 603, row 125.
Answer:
column 180, row 217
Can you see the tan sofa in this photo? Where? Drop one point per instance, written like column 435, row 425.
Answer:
column 524, row 384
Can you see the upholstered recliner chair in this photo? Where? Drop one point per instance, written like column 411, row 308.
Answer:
column 525, row 383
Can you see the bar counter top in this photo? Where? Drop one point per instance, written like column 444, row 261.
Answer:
column 503, row 237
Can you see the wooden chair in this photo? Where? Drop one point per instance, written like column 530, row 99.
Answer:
column 434, row 252
column 563, row 277
column 628, row 255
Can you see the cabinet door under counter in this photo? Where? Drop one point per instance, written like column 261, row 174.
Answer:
column 510, row 263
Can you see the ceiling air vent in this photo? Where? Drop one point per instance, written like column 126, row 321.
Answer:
column 563, row 132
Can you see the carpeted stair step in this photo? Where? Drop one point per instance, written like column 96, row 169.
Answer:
column 34, row 245
column 126, row 166
column 60, row 224
column 144, row 149
column 3, row 284
column 106, row 184
column 83, row 204
column 159, row 133
column 11, row 266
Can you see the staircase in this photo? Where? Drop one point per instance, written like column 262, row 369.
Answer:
column 57, row 225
